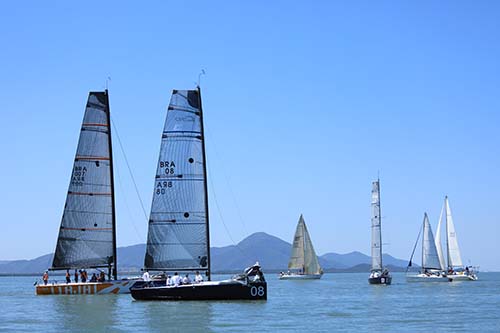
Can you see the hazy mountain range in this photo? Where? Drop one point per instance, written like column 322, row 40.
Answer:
column 272, row 253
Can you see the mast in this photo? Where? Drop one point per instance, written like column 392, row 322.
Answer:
column 113, row 216
column 447, row 234
column 380, row 223
column 423, row 241
column 205, row 181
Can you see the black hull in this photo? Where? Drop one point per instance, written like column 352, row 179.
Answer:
column 380, row 280
column 204, row 291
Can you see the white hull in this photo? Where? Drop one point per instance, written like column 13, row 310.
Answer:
column 292, row 276
column 463, row 277
column 426, row 278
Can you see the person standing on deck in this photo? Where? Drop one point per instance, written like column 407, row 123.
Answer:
column 68, row 276
column 76, row 276
column 45, row 277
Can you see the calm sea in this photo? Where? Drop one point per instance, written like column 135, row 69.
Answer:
column 338, row 302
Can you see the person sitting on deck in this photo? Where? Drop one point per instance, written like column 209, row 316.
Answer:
column 83, row 276
column 146, row 278
column 198, row 278
column 186, row 280
column 102, row 277
column 76, row 276
column 254, row 271
column 176, row 279
column 68, row 276
column 169, row 281
column 45, row 277
column 93, row 278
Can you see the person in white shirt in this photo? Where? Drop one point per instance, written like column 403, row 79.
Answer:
column 198, row 278
column 186, row 280
column 146, row 278
column 169, row 280
column 176, row 279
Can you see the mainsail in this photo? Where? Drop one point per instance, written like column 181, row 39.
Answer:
column 303, row 255
column 430, row 257
column 454, row 257
column 87, row 232
column 376, row 231
column 178, row 237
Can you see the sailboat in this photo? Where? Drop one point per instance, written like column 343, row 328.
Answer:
column 378, row 274
column 454, row 266
column 303, row 257
column 431, row 268
column 87, row 234
column 178, row 233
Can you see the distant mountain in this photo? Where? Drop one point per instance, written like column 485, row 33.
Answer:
column 272, row 253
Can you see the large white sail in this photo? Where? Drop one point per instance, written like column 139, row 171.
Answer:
column 86, row 234
column 376, row 229
column 454, row 257
column 438, row 240
column 303, row 255
column 178, row 224
column 430, row 257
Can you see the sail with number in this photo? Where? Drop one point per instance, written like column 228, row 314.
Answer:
column 178, row 237
column 303, row 255
column 87, row 232
column 430, row 259
column 454, row 257
column 376, row 228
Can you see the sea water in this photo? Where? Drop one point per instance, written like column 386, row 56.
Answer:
column 336, row 303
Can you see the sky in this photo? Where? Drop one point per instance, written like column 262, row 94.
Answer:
column 305, row 104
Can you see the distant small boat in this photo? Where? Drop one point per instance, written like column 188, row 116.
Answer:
column 178, row 233
column 378, row 275
column 303, row 264
column 455, row 268
column 87, row 234
column 431, row 268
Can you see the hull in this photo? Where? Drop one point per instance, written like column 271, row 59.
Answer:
column 462, row 277
column 427, row 278
column 222, row 290
column 86, row 288
column 380, row 280
column 300, row 276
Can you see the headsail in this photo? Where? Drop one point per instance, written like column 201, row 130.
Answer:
column 438, row 240
column 86, row 235
column 303, row 255
column 430, row 257
column 178, row 224
column 376, row 231
column 454, row 257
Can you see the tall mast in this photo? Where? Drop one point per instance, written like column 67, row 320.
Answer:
column 423, row 241
column 205, row 180
column 380, row 223
column 113, row 216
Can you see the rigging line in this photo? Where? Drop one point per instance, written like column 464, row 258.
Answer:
column 413, row 252
column 129, row 170
column 138, row 233
column 238, row 210
column 220, row 215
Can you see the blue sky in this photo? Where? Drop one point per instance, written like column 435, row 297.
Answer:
column 304, row 104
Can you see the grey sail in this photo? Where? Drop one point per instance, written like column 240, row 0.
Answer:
column 178, row 224
column 303, row 256
column 430, row 258
column 376, row 228
column 86, row 235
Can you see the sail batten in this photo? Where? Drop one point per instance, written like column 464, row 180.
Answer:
column 86, row 233
column 178, row 223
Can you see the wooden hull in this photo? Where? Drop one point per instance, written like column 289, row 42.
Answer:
column 380, row 280
column 86, row 288
column 292, row 276
column 223, row 290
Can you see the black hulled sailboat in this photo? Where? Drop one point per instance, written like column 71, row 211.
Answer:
column 178, row 235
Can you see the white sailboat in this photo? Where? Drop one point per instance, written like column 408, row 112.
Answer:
column 431, row 267
column 455, row 268
column 378, row 274
column 303, row 264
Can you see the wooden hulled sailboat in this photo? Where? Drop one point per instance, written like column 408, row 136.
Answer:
column 87, row 235
column 431, row 268
column 378, row 274
column 303, row 264
column 454, row 268
column 178, row 235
